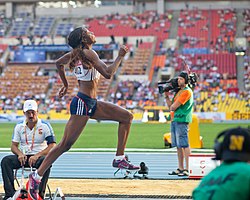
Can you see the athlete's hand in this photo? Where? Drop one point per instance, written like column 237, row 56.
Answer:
column 63, row 91
column 123, row 50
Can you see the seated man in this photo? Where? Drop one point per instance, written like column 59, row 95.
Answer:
column 36, row 139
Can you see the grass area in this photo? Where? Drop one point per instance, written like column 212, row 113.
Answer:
column 104, row 135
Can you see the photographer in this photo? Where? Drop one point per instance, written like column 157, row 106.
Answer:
column 181, row 108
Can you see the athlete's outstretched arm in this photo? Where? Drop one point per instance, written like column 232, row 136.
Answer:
column 106, row 71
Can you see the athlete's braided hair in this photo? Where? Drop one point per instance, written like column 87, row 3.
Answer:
column 75, row 41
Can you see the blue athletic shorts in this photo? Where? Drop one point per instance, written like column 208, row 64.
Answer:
column 82, row 104
column 179, row 134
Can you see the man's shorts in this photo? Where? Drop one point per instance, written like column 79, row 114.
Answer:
column 82, row 104
column 179, row 134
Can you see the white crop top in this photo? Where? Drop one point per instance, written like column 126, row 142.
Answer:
column 85, row 74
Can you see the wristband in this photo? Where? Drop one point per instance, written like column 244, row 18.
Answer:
column 172, row 114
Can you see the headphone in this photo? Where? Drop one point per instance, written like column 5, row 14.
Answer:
column 218, row 145
column 184, row 75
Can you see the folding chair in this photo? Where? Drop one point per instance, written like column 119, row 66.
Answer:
column 47, row 195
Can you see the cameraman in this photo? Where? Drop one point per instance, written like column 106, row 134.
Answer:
column 181, row 108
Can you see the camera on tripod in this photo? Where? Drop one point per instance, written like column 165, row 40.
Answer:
column 172, row 84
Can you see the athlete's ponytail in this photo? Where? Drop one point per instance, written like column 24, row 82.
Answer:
column 75, row 38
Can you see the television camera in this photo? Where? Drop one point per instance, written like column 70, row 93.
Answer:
column 172, row 84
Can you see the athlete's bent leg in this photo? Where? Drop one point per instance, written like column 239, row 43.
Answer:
column 72, row 131
column 108, row 111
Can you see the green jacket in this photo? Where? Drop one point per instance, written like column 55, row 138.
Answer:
column 184, row 112
column 229, row 181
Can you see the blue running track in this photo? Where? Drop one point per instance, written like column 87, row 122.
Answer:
column 98, row 165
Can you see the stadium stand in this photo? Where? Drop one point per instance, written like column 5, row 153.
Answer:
column 19, row 81
column 63, row 29
column 134, row 94
column 193, row 30
column 5, row 24
column 158, row 62
column 206, row 39
column 246, row 18
column 137, row 64
column 223, row 63
column 43, row 26
column 21, row 25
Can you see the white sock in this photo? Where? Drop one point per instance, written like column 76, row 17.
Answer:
column 36, row 176
column 119, row 157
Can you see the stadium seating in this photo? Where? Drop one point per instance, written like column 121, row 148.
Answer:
column 223, row 23
column 225, row 63
column 23, row 81
column 229, row 103
column 5, row 24
column 145, row 24
column 193, row 24
column 43, row 26
column 158, row 62
column 137, row 64
column 205, row 38
column 134, row 94
column 63, row 29
column 21, row 27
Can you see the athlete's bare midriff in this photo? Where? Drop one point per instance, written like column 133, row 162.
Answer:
column 89, row 88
